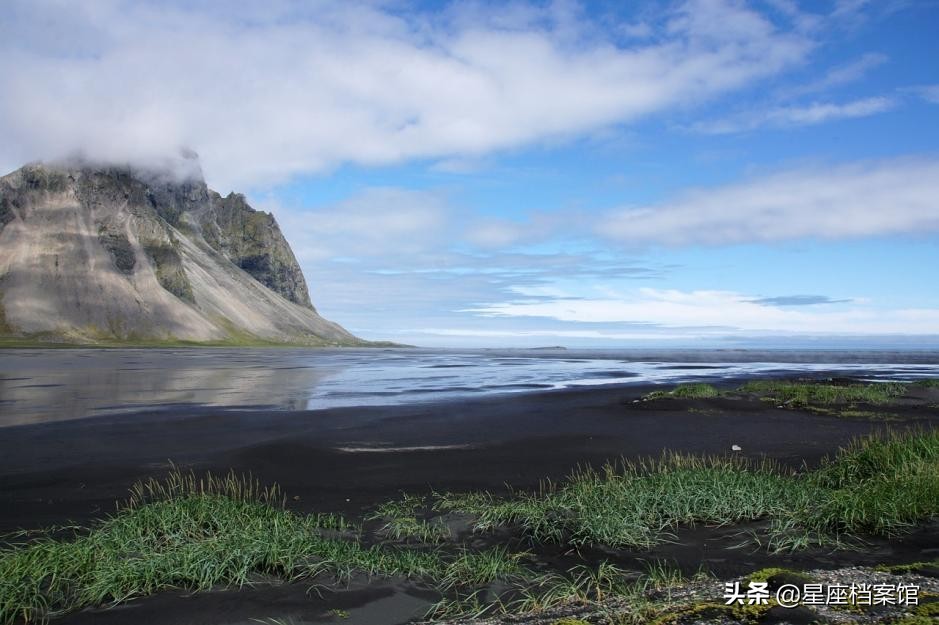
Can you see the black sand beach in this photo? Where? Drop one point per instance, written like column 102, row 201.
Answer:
column 350, row 459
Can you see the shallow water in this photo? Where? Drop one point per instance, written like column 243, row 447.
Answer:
column 39, row 385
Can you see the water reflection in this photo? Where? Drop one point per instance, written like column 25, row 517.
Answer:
column 52, row 385
column 41, row 385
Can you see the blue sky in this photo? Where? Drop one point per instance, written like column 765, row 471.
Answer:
column 697, row 172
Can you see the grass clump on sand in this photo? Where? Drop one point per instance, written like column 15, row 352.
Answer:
column 695, row 391
column 686, row 391
column 483, row 567
column 187, row 533
column 401, row 522
column 636, row 504
column 846, row 400
column 813, row 394
column 880, row 486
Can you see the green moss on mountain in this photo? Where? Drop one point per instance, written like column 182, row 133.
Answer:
column 169, row 269
column 118, row 246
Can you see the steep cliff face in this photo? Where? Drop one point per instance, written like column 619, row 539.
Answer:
column 252, row 240
column 92, row 253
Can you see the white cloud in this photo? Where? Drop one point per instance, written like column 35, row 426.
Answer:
column 841, row 75
column 858, row 200
column 499, row 233
column 376, row 222
column 713, row 313
column 820, row 112
column 496, row 233
column 930, row 93
column 850, row 10
column 803, row 21
column 300, row 87
column 791, row 116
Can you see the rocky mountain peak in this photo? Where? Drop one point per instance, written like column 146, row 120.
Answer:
column 127, row 229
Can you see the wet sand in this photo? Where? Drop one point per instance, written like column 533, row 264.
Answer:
column 349, row 459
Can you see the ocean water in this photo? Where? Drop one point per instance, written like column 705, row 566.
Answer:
column 50, row 385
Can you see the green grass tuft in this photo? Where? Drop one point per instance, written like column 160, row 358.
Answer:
column 804, row 394
column 880, row 486
column 636, row 504
column 685, row 391
column 187, row 533
column 475, row 569
column 695, row 391
column 401, row 522
column 661, row 574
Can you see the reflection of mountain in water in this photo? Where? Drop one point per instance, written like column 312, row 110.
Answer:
column 81, row 384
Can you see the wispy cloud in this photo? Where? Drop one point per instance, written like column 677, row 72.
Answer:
column 803, row 20
column 792, row 116
column 303, row 87
column 850, row 10
column 710, row 313
column 496, row 233
column 375, row 222
column 839, row 76
column 798, row 300
column 857, row 200
column 930, row 93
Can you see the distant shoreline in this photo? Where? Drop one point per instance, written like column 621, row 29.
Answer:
column 17, row 343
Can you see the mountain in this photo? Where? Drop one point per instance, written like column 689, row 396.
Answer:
column 98, row 253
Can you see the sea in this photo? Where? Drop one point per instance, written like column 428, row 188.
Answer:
column 45, row 385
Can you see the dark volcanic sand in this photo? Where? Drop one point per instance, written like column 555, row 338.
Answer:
column 75, row 471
